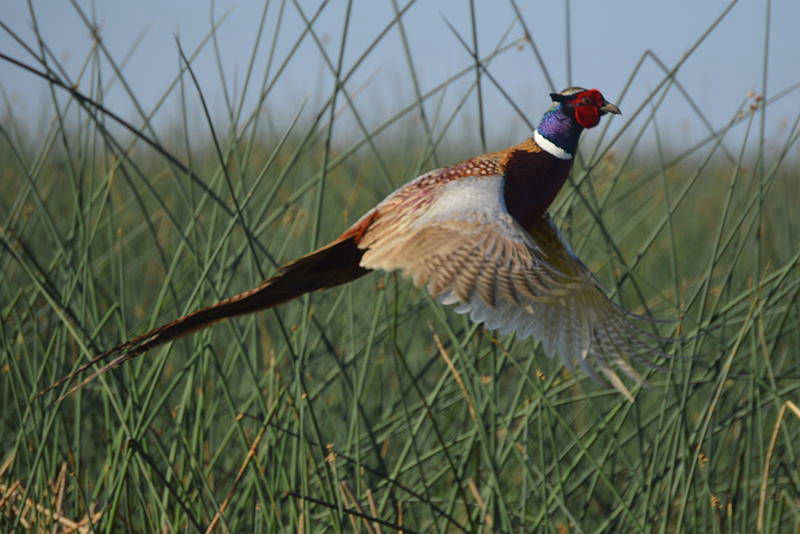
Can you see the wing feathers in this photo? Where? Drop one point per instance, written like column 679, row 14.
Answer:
column 468, row 251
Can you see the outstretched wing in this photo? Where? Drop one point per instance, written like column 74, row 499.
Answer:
column 468, row 250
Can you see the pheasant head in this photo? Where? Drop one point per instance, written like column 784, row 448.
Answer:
column 573, row 110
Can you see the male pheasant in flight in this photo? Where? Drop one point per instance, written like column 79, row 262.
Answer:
column 478, row 236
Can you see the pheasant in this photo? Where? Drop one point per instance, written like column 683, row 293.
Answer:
column 477, row 235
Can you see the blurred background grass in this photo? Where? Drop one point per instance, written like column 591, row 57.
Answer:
column 371, row 407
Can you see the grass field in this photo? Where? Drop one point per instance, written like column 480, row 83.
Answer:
column 371, row 407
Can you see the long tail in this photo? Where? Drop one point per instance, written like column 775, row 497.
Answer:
column 329, row 266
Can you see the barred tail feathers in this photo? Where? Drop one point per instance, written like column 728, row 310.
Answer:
column 329, row 266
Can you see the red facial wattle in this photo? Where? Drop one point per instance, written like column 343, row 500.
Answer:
column 587, row 107
column 587, row 116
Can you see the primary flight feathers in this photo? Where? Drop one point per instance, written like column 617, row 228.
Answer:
column 477, row 235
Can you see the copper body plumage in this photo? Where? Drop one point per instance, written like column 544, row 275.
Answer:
column 477, row 236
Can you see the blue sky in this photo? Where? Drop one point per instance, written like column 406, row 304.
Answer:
column 608, row 39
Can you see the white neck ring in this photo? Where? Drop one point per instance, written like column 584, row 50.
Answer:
column 550, row 147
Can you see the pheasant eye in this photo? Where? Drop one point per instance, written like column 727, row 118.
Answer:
column 586, row 101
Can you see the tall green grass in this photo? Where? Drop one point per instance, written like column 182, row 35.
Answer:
column 371, row 407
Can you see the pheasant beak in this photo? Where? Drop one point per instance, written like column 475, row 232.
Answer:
column 608, row 107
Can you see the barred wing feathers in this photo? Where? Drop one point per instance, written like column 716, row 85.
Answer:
column 461, row 242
